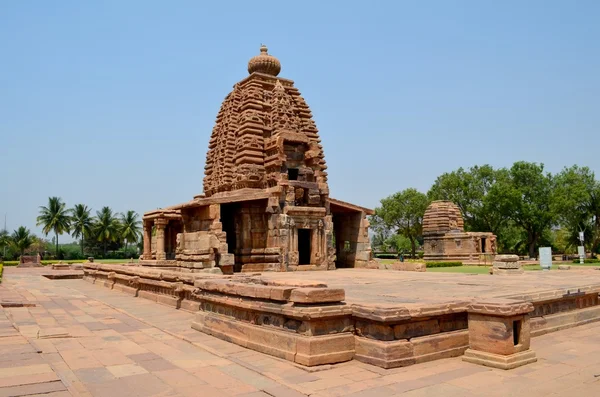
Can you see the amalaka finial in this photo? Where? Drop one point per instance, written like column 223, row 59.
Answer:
column 264, row 63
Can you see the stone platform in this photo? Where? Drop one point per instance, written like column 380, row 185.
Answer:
column 389, row 319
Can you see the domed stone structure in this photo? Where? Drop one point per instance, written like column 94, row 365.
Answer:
column 442, row 217
column 266, row 203
column 445, row 238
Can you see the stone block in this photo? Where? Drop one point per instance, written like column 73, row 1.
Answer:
column 507, row 272
column 416, row 328
column 499, row 361
column 443, row 345
column 499, row 335
column 190, row 306
column 148, row 295
column 374, row 330
column 317, row 295
column 383, row 354
column 564, row 267
column 329, row 349
column 168, row 300
column 506, row 258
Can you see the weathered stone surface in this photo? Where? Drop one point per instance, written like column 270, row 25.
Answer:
column 445, row 238
column 564, row 267
column 500, row 361
column 317, row 295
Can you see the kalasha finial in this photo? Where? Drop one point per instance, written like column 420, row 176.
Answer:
column 264, row 63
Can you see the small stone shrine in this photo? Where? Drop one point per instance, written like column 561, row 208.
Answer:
column 30, row 261
column 266, row 203
column 446, row 239
column 507, row 264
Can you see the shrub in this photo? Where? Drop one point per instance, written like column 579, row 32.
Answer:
column 443, row 264
column 587, row 260
column 1, row 271
column 386, row 256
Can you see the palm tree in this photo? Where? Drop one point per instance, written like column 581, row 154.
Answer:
column 4, row 240
column 130, row 227
column 55, row 217
column 21, row 239
column 81, row 222
column 106, row 226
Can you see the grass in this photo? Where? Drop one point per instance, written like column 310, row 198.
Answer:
column 49, row 262
column 486, row 269
column 461, row 269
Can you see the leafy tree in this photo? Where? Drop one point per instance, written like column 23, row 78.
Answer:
column 399, row 243
column 81, row 222
column 130, row 227
column 576, row 202
column 4, row 239
column 55, row 217
column 403, row 212
column 469, row 190
column 106, row 227
column 39, row 245
column 523, row 194
column 21, row 239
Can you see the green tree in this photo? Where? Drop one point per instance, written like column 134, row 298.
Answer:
column 403, row 212
column 399, row 243
column 55, row 217
column 524, row 194
column 130, row 227
column 21, row 239
column 4, row 240
column 469, row 190
column 576, row 202
column 81, row 222
column 106, row 227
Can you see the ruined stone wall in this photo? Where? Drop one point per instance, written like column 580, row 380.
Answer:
column 353, row 248
column 202, row 244
column 458, row 246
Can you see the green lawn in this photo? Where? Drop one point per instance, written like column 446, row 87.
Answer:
column 461, row 269
column 486, row 269
column 108, row 261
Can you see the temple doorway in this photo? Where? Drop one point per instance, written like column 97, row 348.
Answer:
column 483, row 245
column 228, row 213
column 304, row 246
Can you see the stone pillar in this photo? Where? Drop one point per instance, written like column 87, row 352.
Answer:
column 499, row 334
column 147, row 240
column 160, row 224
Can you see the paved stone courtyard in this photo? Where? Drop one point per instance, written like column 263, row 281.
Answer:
column 77, row 338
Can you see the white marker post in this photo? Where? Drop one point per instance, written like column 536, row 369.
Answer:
column 581, row 249
column 546, row 258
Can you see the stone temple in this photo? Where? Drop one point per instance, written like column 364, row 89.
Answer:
column 266, row 204
column 445, row 238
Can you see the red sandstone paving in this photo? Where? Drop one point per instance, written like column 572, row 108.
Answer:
column 118, row 345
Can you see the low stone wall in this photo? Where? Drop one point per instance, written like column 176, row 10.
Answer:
column 305, row 323
column 310, row 324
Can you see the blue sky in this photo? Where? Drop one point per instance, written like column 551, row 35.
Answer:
column 113, row 102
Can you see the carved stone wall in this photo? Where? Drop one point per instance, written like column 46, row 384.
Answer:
column 445, row 238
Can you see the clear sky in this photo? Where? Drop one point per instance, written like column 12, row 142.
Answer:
column 113, row 102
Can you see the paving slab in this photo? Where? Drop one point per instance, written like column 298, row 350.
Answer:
column 157, row 354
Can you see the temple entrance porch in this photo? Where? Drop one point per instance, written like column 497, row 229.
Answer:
column 350, row 225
